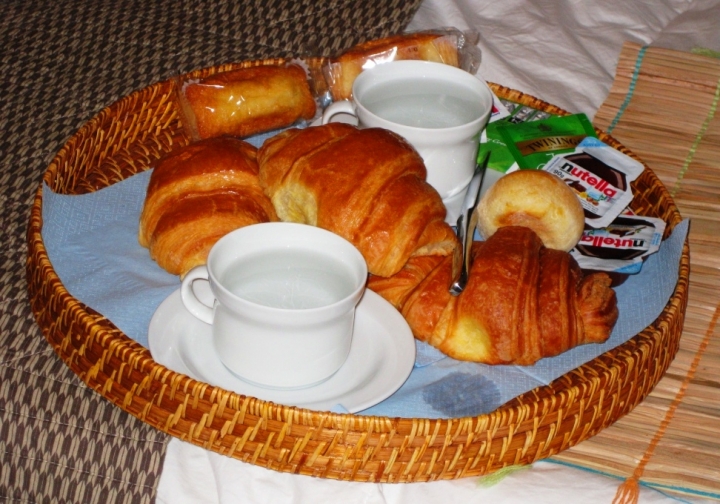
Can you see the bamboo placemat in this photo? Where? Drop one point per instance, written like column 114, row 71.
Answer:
column 663, row 106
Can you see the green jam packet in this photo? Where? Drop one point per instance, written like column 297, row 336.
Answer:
column 532, row 144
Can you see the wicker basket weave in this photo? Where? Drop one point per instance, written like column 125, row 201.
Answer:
column 125, row 139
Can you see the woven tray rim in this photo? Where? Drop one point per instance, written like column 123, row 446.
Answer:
column 535, row 425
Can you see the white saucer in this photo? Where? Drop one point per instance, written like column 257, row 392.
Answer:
column 381, row 357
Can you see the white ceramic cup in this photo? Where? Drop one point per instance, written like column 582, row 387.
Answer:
column 439, row 109
column 285, row 298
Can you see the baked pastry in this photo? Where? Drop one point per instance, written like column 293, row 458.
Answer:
column 534, row 199
column 367, row 185
column 250, row 100
column 522, row 302
column 196, row 195
column 434, row 46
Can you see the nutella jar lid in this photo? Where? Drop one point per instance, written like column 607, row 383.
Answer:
column 620, row 247
column 600, row 176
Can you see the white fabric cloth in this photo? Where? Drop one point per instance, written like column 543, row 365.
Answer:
column 564, row 52
column 193, row 475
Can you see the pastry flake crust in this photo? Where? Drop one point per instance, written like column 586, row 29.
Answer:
column 522, row 302
column 196, row 195
column 367, row 185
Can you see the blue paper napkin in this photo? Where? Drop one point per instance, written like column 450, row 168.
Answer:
column 92, row 243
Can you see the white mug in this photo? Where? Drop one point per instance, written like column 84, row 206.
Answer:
column 439, row 109
column 285, row 298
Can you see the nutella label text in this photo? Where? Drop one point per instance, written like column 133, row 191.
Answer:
column 590, row 178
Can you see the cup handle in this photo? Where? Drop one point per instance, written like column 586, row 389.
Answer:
column 190, row 300
column 339, row 107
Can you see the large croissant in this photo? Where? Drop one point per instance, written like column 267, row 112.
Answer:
column 367, row 185
column 196, row 195
column 523, row 301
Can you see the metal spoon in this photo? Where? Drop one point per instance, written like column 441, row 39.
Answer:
column 466, row 224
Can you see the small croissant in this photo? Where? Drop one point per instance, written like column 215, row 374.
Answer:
column 196, row 195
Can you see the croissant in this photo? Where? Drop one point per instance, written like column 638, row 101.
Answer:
column 367, row 185
column 522, row 302
column 250, row 100
column 196, row 195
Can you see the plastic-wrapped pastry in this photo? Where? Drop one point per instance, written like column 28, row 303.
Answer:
column 196, row 195
column 251, row 100
column 438, row 46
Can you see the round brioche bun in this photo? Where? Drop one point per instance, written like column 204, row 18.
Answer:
column 537, row 200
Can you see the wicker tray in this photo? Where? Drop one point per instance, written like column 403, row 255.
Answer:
column 125, row 139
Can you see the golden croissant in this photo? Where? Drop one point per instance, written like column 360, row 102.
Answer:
column 522, row 301
column 196, row 195
column 367, row 185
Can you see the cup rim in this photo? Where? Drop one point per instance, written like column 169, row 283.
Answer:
column 482, row 86
column 351, row 298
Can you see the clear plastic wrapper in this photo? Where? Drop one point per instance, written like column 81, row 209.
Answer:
column 247, row 101
column 443, row 45
column 260, row 99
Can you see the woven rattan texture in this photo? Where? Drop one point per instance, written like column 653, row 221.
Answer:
column 61, row 62
column 361, row 448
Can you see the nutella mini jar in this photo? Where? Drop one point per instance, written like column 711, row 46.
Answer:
column 620, row 248
column 614, row 240
column 600, row 176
